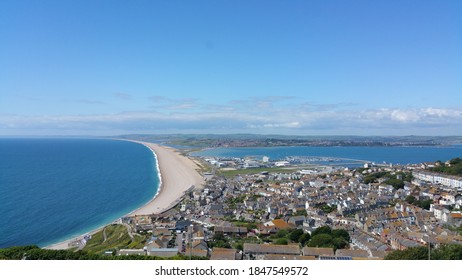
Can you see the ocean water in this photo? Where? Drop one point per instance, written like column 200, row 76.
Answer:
column 395, row 155
column 55, row 189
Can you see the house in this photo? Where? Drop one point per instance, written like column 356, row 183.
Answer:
column 225, row 254
column 266, row 230
column 354, row 254
column 455, row 219
column 286, row 257
column 257, row 251
column 231, row 230
column 279, row 224
column 297, row 220
column 163, row 252
column 317, row 252
column 379, row 254
column 196, row 252
column 161, row 232
column 182, row 225
column 129, row 252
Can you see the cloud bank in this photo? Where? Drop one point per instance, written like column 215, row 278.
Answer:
column 168, row 115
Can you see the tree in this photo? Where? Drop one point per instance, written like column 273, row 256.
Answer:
column 447, row 252
column 397, row 184
column 410, row 199
column 295, row 235
column 281, row 241
column 304, row 238
column 425, row 204
column 455, row 161
column 281, row 233
column 341, row 233
column 219, row 240
column 320, row 230
column 321, row 240
column 219, row 236
column 414, row 253
column 339, row 243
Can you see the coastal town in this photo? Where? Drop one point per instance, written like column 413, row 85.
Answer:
column 266, row 210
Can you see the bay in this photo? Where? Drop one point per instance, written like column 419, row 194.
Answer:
column 394, row 155
column 55, row 189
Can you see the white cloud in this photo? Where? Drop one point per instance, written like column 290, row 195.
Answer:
column 228, row 118
column 404, row 116
column 283, row 125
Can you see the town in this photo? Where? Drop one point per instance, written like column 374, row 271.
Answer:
column 260, row 209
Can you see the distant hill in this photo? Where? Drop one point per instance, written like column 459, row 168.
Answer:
column 257, row 140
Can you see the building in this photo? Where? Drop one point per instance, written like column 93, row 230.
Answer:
column 318, row 252
column 163, row 252
column 225, row 254
column 438, row 178
column 258, row 251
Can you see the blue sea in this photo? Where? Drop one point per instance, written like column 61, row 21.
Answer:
column 55, row 189
column 394, row 155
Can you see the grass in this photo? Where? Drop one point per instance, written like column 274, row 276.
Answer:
column 117, row 237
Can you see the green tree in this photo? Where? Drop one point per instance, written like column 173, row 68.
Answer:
column 320, row 230
column 281, row 241
column 425, row 204
column 281, row 233
column 397, row 184
column 447, row 252
column 219, row 240
column 341, row 233
column 339, row 243
column 411, row 199
column 304, row 238
column 295, row 235
column 321, row 240
column 414, row 253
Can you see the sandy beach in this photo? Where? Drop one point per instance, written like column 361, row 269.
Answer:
column 178, row 174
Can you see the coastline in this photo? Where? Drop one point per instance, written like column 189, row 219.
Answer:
column 177, row 174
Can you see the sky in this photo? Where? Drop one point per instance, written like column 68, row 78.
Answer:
column 305, row 67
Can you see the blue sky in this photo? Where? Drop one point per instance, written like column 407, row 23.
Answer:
column 287, row 67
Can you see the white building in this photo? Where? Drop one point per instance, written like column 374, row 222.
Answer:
column 438, row 178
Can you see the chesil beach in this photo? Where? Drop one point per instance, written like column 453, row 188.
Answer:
column 177, row 173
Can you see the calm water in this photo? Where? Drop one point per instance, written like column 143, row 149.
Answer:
column 54, row 189
column 395, row 155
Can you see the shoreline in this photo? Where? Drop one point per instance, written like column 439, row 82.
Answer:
column 177, row 174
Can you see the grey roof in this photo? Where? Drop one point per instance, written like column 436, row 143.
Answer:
column 352, row 253
column 231, row 229
column 379, row 254
column 312, row 251
column 223, row 254
column 287, row 257
column 271, row 249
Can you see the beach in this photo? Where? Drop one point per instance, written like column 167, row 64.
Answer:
column 178, row 174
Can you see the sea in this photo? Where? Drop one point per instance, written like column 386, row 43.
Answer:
column 55, row 189
column 344, row 155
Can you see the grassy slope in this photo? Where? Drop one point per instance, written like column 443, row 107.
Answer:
column 117, row 237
